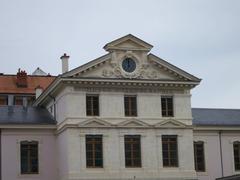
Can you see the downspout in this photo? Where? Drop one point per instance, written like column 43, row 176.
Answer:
column 220, row 144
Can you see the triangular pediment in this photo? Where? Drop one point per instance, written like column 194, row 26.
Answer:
column 170, row 124
column 95, row 122
column 128, row 42
column 147, row 66
column 133, row 123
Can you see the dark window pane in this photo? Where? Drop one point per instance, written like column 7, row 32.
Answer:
column 29, row 157
column 167, row 106
column 199, row 156
column 94, row 153
column 236, row 148
column 92, row 105
column 3, row 100
column 130, row 105
column 132, row 151
column 169, row 151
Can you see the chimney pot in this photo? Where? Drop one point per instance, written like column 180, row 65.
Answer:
column 64, row 59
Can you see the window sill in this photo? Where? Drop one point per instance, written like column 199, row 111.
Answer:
column 204, row 173
column 29, row 175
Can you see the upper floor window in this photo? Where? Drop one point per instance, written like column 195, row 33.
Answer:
column 94, row 151
column 18, row 100
column 3, row 100
column 132, row 150
column 170, row 151
column 29, row 157
column 130, row 105
column 236, row 151
column 167, row 106
column 92, row 105
column 199, row 156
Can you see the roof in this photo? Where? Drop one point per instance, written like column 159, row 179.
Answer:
column 25, row 115
column 9, row 85
column 233, row 177
column 216, row 117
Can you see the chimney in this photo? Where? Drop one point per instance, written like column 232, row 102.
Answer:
column 21, row 78
column 64, row 59
column 38, row 91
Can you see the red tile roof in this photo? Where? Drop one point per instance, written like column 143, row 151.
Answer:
column 8, row 84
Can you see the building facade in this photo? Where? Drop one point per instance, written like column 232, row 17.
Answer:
column 125, row 115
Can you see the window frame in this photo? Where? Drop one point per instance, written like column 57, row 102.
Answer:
column 94, row 111
column 135, row 159
column 93, row 136
column 169, row 150
column 166, row 106
column 195, row 143
column 234, row 157
column 128, row 110
column 28, row 143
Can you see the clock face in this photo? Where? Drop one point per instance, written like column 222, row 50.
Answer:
column 128, row 65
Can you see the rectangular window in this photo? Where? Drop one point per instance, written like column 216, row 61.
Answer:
column 236, row 150
column 92, row 105
column 130, row 105
column 94, row 151
column 169, row 151
column 132, row 150
column 29, row 157
column 199, row 156
column 167, row 106
column 18, row 100
column 3, row 100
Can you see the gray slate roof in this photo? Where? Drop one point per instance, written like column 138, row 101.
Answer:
column 25, row 115
column 216, row 117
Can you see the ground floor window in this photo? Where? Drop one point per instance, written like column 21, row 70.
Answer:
column 94, row 151
column 132, row 150
column 29, row 157
column 169, row 151
column 236, row 151
column 199, row 156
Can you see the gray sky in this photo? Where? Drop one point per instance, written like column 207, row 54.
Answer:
column 199, row 36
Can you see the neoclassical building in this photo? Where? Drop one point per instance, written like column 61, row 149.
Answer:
column 125, row 115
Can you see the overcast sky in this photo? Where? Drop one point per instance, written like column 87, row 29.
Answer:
column 199, row 36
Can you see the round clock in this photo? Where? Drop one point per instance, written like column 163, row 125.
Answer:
column 128, row 65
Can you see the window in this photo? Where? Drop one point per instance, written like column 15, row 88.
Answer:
column 18, row 100
column 199, row 156
column 92, row 105
column 169, row 151
column 130, row 105
column 3, row 100
column 29, row 157
column 94, row 151
column 236, row 151
column 132, row 151
column 167, row 106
